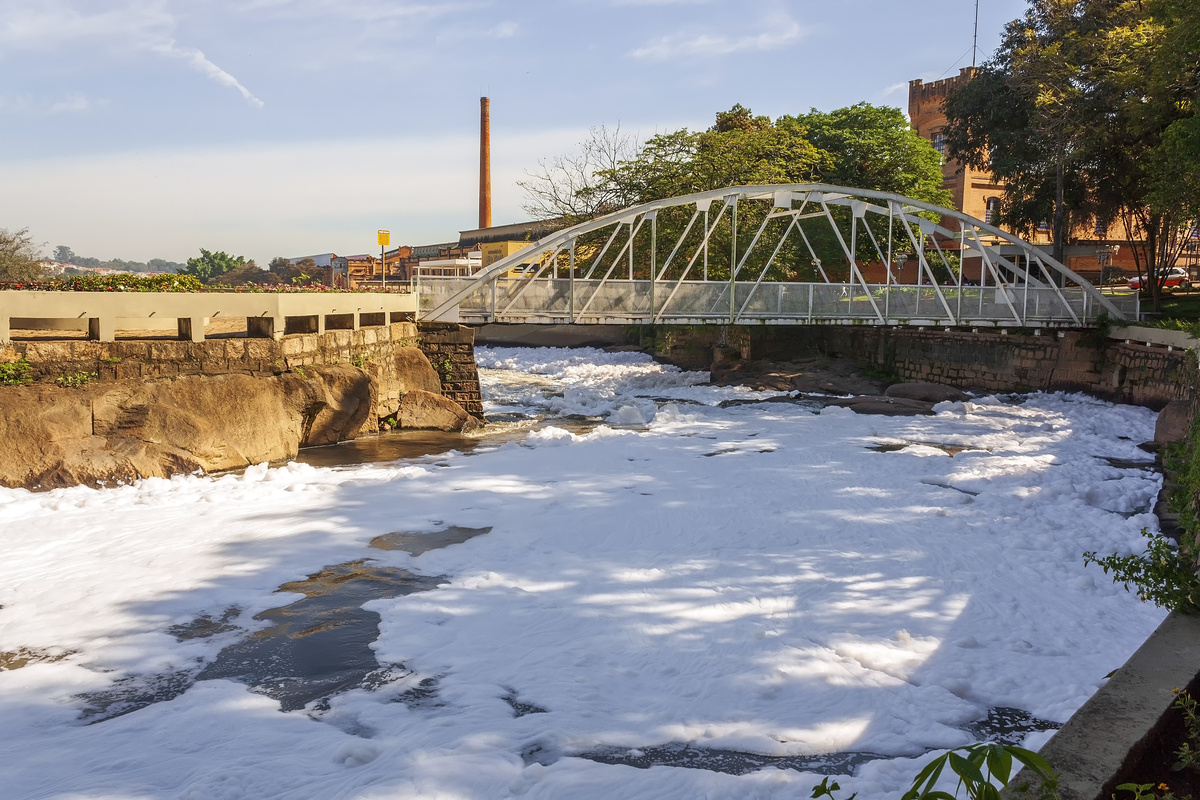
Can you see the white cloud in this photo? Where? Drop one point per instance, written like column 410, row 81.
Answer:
column 780, row 31
column 505, row 30
column 53, row 23
column 26, row 105
column 198, row 62
column 354, row 10
column 132, row 25
column 72, row 104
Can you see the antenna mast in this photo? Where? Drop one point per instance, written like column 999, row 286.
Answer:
column 975, row 38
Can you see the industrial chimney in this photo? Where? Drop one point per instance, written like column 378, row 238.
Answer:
column 485, row 165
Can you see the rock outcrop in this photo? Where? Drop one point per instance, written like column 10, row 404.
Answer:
column 423, row 409
column 109, row 432
column 926, row 392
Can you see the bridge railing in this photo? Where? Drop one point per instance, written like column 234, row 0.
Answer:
column 649, row 302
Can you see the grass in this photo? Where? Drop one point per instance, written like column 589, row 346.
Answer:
column 1179, row 311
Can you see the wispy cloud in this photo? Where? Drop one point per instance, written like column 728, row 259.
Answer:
column 354, row 10
column 132, row 25
column 504, row 30
column 780, row 31
column 26, row 105
column 73, row 104
column 197, row 61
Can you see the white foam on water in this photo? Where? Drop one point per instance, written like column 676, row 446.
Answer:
column 752, row 578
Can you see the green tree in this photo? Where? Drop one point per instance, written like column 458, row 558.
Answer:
column 1072, row 114
column 862, row 146
column 64, row 254
column 872, row 147
column 19, row 257
column 1175, row 165
column 211, row 265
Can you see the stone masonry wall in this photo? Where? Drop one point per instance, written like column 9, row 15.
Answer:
column 1004, row 361
column 370, row 348
column 450, row 348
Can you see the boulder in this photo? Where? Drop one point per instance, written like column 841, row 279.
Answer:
column 884, row 406
column 426, row 410
column 925, row 392
column 415, row 373
column 338, row 403
column 1174, row 422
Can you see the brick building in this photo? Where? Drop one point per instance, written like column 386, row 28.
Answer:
column 1089, row 251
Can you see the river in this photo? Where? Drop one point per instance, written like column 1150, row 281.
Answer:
column 632, row 584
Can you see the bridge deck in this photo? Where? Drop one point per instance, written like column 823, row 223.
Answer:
column 562, row 300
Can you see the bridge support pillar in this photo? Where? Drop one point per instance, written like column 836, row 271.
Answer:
column 102, row 329
column 264, row 327
column 5, row 328
column 191, row 329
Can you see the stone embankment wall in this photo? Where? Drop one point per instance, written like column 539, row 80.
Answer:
column 157, row 408
column 1012, row 361
column 451, row 349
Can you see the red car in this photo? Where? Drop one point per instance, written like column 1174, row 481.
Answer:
column 1177, row 278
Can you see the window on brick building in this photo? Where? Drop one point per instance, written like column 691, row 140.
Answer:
column 992, row 211
column 939, row 144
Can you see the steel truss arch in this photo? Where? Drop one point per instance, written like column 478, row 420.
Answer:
column 558, row 280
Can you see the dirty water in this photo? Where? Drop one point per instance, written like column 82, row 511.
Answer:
column 314, row 648
column 1002, row 725
column 319, row 645
column 949, row 449
column 417, row 543
column 24, row 656
column 392, row 446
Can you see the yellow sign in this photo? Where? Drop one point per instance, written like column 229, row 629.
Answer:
column 385, row 238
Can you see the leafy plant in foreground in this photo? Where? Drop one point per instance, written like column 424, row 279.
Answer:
column 1164, row 574
column 980, row 767
column 74, row 380
column 14, row 373
column 983, row 770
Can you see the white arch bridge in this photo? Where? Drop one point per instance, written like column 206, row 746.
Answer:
column 777, row 255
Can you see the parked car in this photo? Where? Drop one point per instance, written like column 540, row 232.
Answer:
column 1177, row 278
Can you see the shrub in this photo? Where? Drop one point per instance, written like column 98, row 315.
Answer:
column 14, row 373
column 74, row 380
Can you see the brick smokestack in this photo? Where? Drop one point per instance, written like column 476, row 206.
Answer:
column 485, row 164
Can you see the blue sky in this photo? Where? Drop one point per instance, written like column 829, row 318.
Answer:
column 151, row 128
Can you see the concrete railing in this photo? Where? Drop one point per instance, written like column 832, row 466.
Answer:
column 267, row 315
column 1137, row 334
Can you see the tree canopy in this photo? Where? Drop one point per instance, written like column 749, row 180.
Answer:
column 1086, row 113
column 210, row 265
column 65, row 255
column 19, row 258
column 864, row 146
